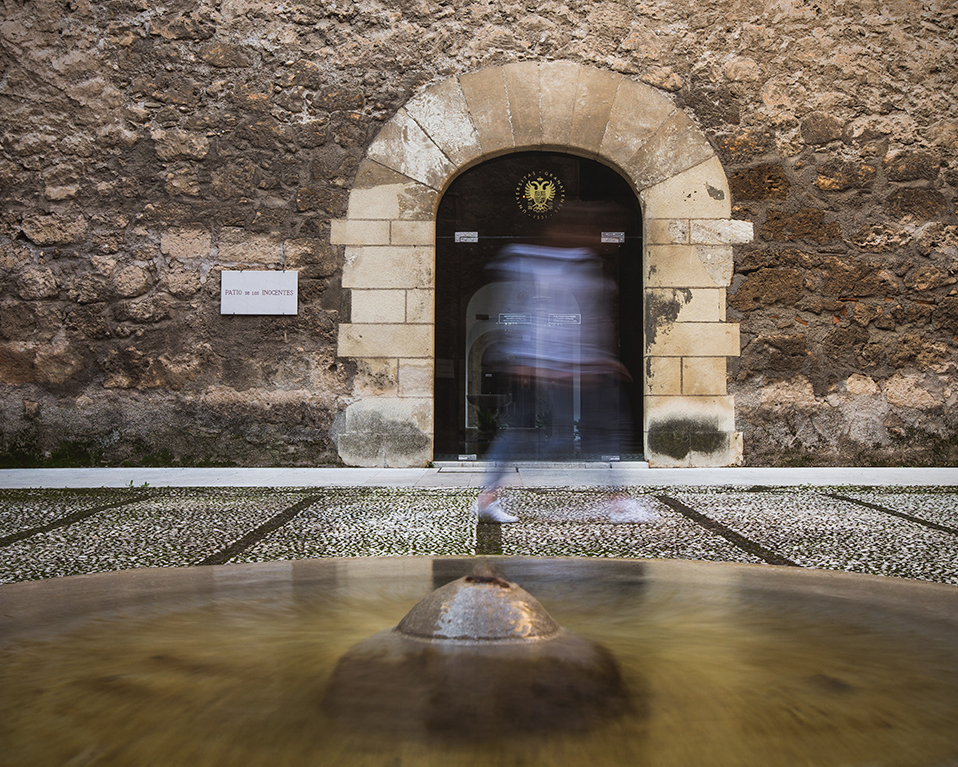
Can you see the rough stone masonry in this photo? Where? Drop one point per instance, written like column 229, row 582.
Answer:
column 146, row 148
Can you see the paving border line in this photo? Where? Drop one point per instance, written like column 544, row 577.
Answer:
column 900, row 514
column 714, row 526
column 69, row 519
column 258, row 533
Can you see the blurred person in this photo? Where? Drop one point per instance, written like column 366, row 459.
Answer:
column 549, row 351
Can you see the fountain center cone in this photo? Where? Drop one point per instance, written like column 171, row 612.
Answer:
column 478, row 657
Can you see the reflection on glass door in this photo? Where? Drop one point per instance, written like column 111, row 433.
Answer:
column 514, row 354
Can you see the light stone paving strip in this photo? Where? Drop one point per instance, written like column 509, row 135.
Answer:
column 817, row 531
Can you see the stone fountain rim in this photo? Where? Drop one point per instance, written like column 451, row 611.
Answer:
column 54, row 606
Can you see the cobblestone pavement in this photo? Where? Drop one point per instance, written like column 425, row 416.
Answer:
column 909, row 532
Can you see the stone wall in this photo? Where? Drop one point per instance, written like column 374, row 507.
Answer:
column 146, row 148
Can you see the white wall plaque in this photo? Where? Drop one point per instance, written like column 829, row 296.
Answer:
column 251, row 292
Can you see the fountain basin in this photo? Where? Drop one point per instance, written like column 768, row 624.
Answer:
column 721, row 664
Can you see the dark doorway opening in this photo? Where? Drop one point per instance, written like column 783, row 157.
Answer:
column 484, row 210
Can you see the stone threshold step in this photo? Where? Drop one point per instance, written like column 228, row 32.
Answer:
column 477, row 466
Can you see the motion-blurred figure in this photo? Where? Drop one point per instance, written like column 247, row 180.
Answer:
column 550, row 352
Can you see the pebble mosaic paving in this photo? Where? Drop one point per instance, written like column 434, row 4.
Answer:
column 816, row 530
column 51, row 533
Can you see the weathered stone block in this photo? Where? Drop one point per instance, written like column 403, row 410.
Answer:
column 663, row 376
column 720, row 232
column 691, row 431
column 637, row 113
column 380, row 202
column 761, row 182
column 718, row 262
column 677, row 146
column 558, row 84
column 378, row 306
column 37, row 282
column 186, row 244
column 239, row 246
column 359, row 232
column 666, row 231
column 420, row 306
column 522, row 88
column 443, row 114
column 676, row 266
column 403, row 146
column 411, row 341
column 699, row 192
column 413, row 233
column 177, row 144
column 821, row 128
column 132, row 281
column 312, row 256
column 696, row 339
column 687, row 304
column 766, row 287
column 804, row 224
column 416, row 378
column 840, row 175
column 595, row 92
column 386, row 432
column 376, row 377
column 485, row 94
column 704, row 376
column 389, row 267
column 54, row 230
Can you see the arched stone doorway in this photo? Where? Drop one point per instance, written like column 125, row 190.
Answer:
column 389, row 239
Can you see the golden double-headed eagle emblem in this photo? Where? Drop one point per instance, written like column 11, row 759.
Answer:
column 540, row 194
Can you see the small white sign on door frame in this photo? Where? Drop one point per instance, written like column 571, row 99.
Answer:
column 252, row 292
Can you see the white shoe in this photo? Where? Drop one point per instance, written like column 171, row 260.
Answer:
column 492, row 513
column 631, row 510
